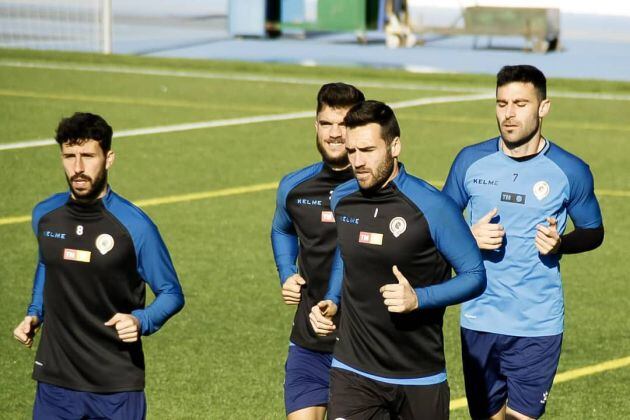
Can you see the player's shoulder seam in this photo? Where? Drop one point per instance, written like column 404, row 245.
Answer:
column 556, row 152
column 295, row 178
column 120, row 207
column 53, row 202
column 423, row 194
column 474, row 152
column 343, row 190
column 49, row 205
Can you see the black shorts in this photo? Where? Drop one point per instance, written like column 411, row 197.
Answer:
column 353, row 396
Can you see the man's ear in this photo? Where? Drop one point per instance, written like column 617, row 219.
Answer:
column 109, row 159
column 543, row 108
column 395, row 147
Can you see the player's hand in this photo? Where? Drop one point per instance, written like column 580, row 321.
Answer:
column 321, row 317
column 399, row 297
column 291, row 289
column 547, row 238
column 127, row 327
column 488, row 235
column 26, row 330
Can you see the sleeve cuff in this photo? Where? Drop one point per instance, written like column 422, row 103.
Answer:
column 140, row 315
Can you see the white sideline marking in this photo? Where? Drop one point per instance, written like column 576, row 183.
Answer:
column 199, row 74
column 246, row 120
column 275, row 79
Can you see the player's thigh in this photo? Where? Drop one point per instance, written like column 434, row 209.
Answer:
column 486, row 386
column 306, row 382
column 426, row 402
column 530, row 366
column 308, row 413
column 130, row 405
column 353, row 396
column 55, row 403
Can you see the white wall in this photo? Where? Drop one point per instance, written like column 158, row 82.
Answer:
column 596, row 7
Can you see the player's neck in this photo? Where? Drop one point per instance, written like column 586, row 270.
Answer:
column 532, row 147
column 393, row 175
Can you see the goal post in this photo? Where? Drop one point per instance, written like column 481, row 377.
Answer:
column 69, row 25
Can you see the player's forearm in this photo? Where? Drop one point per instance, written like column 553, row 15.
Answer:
column 581, row 240
column 336, row 279
column 465, row 286
column 36, row 307
column 154, row 316
column 285, row 251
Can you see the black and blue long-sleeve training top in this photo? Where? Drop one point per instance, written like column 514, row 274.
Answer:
column 303, row 231
column 94, row 261
column 412, row 225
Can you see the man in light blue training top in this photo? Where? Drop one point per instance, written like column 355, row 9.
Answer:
column 519, row 189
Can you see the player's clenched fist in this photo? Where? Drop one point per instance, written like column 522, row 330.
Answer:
column 547, row 238
column 321, row 317
column 399, row 297
column 127, row 327
column 291, row 289
column 488, row 235
column 26, row 330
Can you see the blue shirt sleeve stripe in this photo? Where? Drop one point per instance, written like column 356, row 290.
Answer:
column 153, row 264
column 36, row 307
column 336, row 279
column 455, row 185
column 582, row 206
column 453, row 239
column 335, row 282
column 284, row 239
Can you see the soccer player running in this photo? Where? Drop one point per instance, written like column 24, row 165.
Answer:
column 304, row 230
column 519, row 189
column 398, row 239
column 96, row 252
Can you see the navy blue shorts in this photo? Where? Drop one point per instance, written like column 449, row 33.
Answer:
column 55, row 403
column 500, row 368
column 306, row 379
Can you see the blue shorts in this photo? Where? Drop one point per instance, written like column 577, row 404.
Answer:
column 500, row 368
column 55, row 403
column 306, row 379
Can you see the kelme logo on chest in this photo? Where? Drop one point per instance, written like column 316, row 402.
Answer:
column 481, row 181
column 54, row 235
column 308, row 202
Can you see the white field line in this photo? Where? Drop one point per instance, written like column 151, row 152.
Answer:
column 276, row 79
column 246, row 120
column 199, row 74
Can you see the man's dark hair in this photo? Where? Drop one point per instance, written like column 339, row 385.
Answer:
column 368, row 112
column 338, row 95
column 525, row 74
column 83, row 126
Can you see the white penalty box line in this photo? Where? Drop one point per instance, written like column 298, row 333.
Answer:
column 248, row 120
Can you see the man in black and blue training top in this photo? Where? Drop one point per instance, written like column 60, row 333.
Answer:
column 304, row 230
column 398, row 239
column 96, row 252
column 519, row 189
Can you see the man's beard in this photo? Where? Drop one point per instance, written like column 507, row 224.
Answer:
column 97, row 186
column 523, row 140
column 383, row 172
column 335, row 162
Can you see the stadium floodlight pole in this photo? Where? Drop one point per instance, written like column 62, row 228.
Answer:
column 107, row 26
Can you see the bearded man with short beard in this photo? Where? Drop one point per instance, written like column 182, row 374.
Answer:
column 96, row 253
column 398, row 238
column 303, row 237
